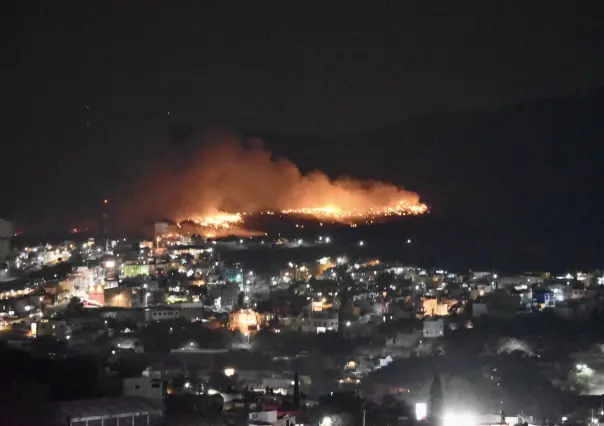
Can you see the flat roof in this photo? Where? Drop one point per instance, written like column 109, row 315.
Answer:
column 103, row 408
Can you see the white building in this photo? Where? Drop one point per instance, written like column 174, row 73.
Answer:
column 270, row 418
column 320, row 323
column 226, row 295
column 433, row 328
column 144, row 387
column 161, row 314
column 63, row 328
column 520, row 280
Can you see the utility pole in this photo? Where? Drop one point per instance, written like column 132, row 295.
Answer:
column 105, row 227
column 296, row 399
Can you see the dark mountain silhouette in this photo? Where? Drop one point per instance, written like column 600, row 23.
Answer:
column 532, row 171
column 525, row 160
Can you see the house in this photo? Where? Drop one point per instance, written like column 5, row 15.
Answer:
column 144, row 387
column 273, row 418
column 161, row 314
column 62, row 327
column 433, row 328
column 321, row 322
column 123, row 410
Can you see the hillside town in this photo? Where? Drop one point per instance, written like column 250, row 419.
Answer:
column 191, row 330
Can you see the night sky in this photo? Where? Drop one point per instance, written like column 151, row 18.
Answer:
column 90, row 90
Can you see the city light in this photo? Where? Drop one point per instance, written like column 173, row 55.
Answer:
column 218, row 221
column 461, row 419
column 421, row 410
column 352, row 216
column 229, row 372
column 326, row 421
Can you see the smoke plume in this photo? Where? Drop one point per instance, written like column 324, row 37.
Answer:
column 234, row 175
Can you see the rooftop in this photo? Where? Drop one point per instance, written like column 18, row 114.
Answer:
column 91, row 409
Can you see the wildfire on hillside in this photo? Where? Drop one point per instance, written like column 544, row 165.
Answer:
column 225, row 223
column 229, row 179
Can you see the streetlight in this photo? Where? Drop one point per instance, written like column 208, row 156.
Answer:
column 326, row 421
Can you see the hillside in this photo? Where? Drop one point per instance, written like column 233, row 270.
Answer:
column 538, row 164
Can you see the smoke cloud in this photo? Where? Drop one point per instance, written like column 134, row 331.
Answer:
column 234, row 175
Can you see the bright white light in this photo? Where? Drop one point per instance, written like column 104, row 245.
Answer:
column 409, row 241
column 229, row 372
column 212, row 392
column 327, row 240
column 187, row 385
column 461, row 419
column 421, row 410
column 110, row 264
column 361, row 243
column 327, row 421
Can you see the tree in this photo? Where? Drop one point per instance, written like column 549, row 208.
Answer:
column 436, row 401
column 75, row 304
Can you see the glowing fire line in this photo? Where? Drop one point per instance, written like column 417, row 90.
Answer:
column 352, row 217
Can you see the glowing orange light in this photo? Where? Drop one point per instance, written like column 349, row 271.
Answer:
column 331, row 213
column 219, row 221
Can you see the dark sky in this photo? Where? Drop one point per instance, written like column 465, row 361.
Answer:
column 87, row 84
